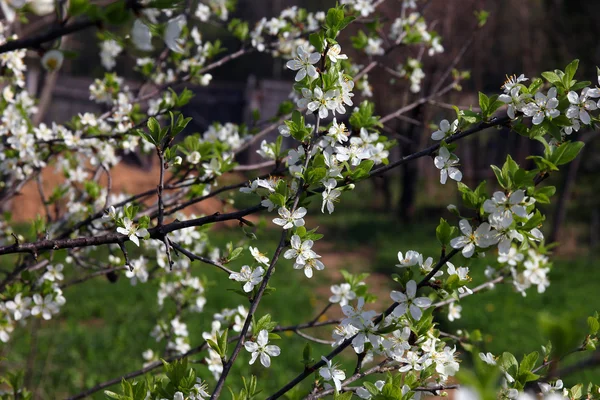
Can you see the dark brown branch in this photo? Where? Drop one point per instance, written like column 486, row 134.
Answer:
column 34, row 42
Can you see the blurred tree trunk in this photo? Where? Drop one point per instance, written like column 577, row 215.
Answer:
column 409, row 176
column 560, row 211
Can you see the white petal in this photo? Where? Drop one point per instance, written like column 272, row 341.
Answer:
column 411, row 289
column 465, row 227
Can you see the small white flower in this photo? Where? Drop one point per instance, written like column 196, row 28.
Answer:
column 52, row 60
column 44, row 306
column 342, row 294
column 446, row 162
column 542, row 106
column 411, row 258
column 19, row 306
column 334, row 53
column 262, row 348
column 580, row 105
column 290, row 219
column 258, row 256
column 54, row 273
column 330, row 197
column 332, row 373
column 481, row 238
column 408, row 302
column 300, row 250
column 248, row 275
column 446, row 129
column 303, row 63
column 202, row 12
column 487, row 358
column 201, row 390
column 454, row 311
column 137, row 271
column 193, row 158
column 503, row 207
column 132, row 231
column 173, row 33
column 141, row 36
column 309, row 264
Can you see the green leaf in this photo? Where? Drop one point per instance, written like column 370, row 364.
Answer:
column 317, row 39
column 444, row 232
column 484, row 103
column 153, row 126
column 502, row 180
column 552, row 77
column 593, row 325
column 535, row 85
column 307, row 354
column 566, row 152
column 342, row 396
column 509, row 363
column 114, row 395
column 78, row 7
column 223, row 342
column 570, row 71
column 315, row 175
column 528, row 362
column 116, row 13
column 362, row 170
column 334, row 18
column 235, row 253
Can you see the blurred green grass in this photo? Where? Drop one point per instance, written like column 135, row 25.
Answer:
column 104, row 327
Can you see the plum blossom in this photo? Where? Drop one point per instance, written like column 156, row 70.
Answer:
column 173, row 32
column 44, row 306
column 19, row 306
column 503, row 207
column 515, row 100
column 329, row 198
column 141, row 36
column 262, row 348
column 446, row 129
column 543, row 106
column 342, row 294
column 581, row 104
column 446, row 162
column 334, row 53
column 409, row 259
column 309, row 265
column 408, row 302
column 304, row 64
column 487, row 358
column 137, row 271
column 300, row 250
column 52, row 60
column 132, row 231
column 258, row 256
column 290, row 219
column 251, row 277
column 331, row 372
column 454, row 311
column 468, row 242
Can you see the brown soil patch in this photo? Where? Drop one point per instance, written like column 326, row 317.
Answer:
column 125, row 179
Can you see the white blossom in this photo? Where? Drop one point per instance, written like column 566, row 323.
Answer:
column 446, row 162
column 408, row 302
column 262, row 348
column 331, row 372
column 251, row 277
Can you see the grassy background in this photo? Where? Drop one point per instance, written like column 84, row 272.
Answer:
column 104, row 327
